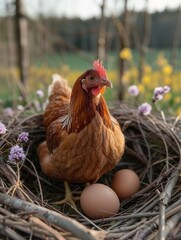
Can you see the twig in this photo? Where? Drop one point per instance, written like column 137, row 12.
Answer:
column 131, row 216
column 171, row 223
column 144, row 233
column 38, row 180
column 164, row 199
column 25, row 227
column 52, row 217
column 162, row 218
column 41, row 224
column 10, row 233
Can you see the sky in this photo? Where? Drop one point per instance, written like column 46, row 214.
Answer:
column 87, row 8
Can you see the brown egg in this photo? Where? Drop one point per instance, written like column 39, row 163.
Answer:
column 125, row 183
column 99, row 201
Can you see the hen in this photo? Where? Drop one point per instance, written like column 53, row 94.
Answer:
column 83, row 141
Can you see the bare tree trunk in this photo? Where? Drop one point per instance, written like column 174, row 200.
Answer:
column 176, row 39
column 123, row 32
column 145, row 42
column 22, row 45
column 102, row 35
column 10, row 53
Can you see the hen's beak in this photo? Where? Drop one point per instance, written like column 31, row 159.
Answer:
column 105, row 82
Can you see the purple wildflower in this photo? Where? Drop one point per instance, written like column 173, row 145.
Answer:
column 17, row 154
column 133, row 90
column 23, row 137
column 144, row 109
column 159, row 93
column 40, row 93
column 2, row 128
column 166, row 89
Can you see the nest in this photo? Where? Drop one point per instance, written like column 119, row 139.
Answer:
column 27, row 196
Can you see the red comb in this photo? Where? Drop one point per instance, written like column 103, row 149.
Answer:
column 97, row 65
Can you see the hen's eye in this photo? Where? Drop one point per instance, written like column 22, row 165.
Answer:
column 91, row 78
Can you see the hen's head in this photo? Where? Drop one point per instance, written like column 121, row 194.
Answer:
column 87, row 100
column 94, row 81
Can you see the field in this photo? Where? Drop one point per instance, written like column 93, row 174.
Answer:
column 157, row 71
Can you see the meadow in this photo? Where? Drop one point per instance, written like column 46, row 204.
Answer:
column 157, row 71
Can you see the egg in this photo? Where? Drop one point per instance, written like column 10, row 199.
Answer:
column 99, row 201
column 125, row 183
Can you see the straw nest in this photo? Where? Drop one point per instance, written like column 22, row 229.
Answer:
column 27, row 196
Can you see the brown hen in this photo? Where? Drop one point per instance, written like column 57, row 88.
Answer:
column 83, row 141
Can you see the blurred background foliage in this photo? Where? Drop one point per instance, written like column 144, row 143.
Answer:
column 137, row 47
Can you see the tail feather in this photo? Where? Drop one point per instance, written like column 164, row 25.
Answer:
column 58, row 100
column 59, row 87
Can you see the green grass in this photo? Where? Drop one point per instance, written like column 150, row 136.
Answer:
column 73, row 60
column 78, row 61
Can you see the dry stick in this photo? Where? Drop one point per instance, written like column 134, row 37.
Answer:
column 161, row 218
column 38, row 180
column 10, row 233
column 137, row 214
column 43, row 225
column 7, row 173
column 144, row 233
column 87, row 219
column 52, row 217
column 42, row 179
column 138, row 157
column 171, row 223
column 131, row 216
column 128, row 228
column 148, row 149
column 25, row 227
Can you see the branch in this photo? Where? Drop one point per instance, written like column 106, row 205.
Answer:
column 10, row 233
column 52, row 217
column 121, row 31
column 172, row 223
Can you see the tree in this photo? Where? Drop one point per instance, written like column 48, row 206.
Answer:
column 21, row 31
column 123, row 31
column 102, row 35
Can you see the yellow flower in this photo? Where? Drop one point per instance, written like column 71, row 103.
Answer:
column 126, row 77
column 134, row 72
column 146, row 79
column 167, row 69
column 177, row 100
column 141, row 88
column 147, row 69
column 126, row 54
